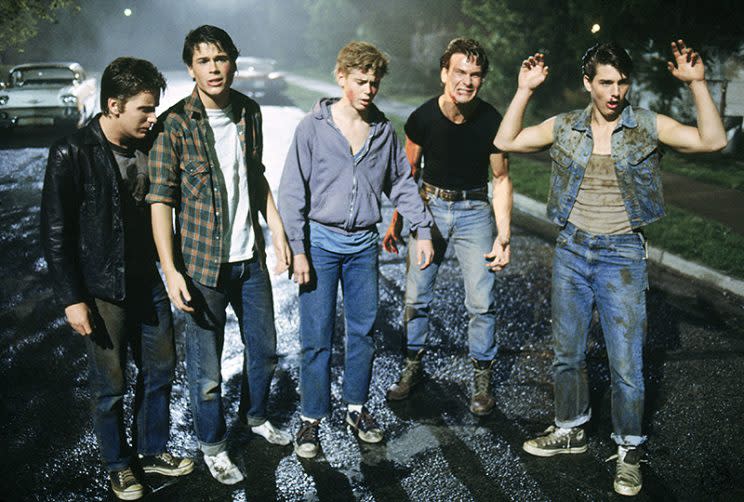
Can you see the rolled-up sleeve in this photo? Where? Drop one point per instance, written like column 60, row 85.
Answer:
column 163, row 170
column 403, row 192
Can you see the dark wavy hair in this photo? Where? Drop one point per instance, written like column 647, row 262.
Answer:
column 207, row 34
column 610, row 53
column 471, row 48
column 126, row 77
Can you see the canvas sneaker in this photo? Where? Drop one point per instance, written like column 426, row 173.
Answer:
column 125, row 485
column 555, row 441
column 628, row 480
column 222, row 468
column 271, row 434
column 166, row 464
column 364, row 426
column 307, row 442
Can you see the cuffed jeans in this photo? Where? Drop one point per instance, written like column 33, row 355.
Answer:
column 358, row 275
column 144, row 322
column 469, row 226
column 609, row 271
column 247, row 288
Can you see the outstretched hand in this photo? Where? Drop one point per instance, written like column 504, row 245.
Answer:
column 687, row 65
column 533, row 72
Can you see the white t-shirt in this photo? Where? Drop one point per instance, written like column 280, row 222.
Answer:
column 230, row 167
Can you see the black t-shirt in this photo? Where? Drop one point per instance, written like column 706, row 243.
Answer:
column 133, row 186
column 456, row 156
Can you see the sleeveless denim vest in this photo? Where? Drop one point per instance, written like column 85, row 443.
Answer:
column 635, row 152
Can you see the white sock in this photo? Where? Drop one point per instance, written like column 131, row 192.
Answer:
column 355, row 407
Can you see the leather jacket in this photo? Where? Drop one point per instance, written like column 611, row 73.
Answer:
column 82, row 222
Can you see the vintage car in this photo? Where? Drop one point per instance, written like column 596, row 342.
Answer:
column 256, row 76
column 47, row 94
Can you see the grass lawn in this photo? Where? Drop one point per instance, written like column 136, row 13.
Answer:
column 714, row 169
column 680, row 232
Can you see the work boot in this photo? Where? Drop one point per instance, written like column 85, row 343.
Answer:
column 482, row 402
column 409, row 377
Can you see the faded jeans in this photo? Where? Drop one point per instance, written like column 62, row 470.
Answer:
column 143, row 322
column 247, row 288
column 357, row 274
column 608, row 271
column 469, row 226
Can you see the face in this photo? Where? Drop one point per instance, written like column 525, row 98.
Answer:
column 213, row 72
column 608, row 89
column 462, row 79
column 359, row 88
column 136, row 116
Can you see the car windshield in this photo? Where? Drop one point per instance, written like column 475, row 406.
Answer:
column 43, row 75
column 255, row 65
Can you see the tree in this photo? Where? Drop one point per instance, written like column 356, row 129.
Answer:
column 19, row 20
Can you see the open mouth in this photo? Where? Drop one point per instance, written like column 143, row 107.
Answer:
column 613, row 105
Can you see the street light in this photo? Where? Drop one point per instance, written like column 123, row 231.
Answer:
column 127, row 12
column 595, row 28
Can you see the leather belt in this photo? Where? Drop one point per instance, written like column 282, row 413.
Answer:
column 456, row 195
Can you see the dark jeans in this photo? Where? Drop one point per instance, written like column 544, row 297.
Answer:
column 143, row 322
column 247, row 288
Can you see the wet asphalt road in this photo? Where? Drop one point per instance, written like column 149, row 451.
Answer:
column 434, row 448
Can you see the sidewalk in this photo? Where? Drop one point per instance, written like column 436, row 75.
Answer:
column 709, row 201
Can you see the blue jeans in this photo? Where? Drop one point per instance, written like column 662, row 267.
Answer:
column 358, row 275
column 144, row 322
column 608, row 271
column 469, row 226
column 247, row 288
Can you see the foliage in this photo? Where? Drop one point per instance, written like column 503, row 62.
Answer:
column 19, row 19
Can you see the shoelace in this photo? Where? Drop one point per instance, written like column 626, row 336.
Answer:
column 482, row 380
column 554, row 435
column 365, row 421
column 222, row 462
column 308, row 432
column 126, row 477
column 409, row 370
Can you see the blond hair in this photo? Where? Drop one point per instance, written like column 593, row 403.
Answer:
column 361, row 56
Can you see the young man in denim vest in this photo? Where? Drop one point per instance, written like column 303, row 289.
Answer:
column 452, row 134
column 605, row 186
column 95, row 229
column 206, row 164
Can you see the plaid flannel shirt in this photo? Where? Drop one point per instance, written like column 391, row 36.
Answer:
column 181, row 175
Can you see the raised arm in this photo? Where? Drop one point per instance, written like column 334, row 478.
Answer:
column 709, row 135
column 512, row 137
column 392, row 236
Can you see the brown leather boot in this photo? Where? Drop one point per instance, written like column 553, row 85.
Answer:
column 409, row 377
column 482, row 402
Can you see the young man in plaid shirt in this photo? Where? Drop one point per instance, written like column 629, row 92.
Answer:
column 206, row 165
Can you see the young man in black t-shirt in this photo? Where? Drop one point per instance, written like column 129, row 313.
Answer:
column 453, row 134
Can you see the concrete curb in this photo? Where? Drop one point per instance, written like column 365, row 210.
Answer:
column 534, row 210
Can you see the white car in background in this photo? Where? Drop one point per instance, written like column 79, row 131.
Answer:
column 258, row 77
column 47, row 94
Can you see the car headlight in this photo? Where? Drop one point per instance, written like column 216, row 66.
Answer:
column 4, row 99
column 69, row 100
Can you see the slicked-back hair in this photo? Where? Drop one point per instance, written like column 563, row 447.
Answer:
column 610, row 53
column 126, row 77
column 472, row 49
column 361, row 56
column 208, row 34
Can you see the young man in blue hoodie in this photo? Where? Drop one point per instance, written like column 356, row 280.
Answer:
column 343, row 157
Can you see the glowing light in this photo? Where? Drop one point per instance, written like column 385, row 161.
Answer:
column 595, row 28
column 127, row 12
